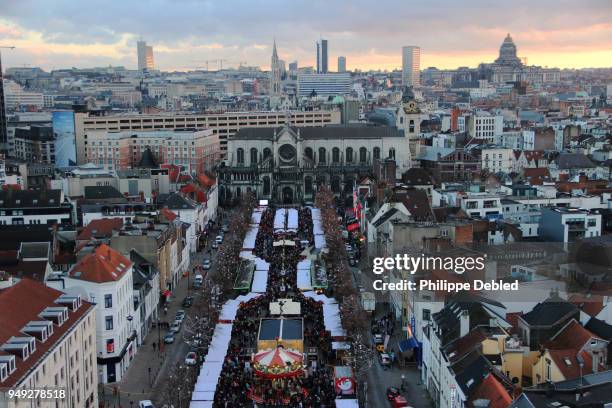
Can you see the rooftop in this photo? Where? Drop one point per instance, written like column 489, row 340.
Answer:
column 104, row 264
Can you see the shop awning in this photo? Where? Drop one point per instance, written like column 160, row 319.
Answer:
column 352, row 227
column 408, row 344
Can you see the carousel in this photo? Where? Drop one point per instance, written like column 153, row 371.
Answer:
column 278, row 365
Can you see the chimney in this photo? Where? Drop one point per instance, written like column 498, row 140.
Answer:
column 464, row 323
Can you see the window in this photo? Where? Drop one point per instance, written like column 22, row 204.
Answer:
column 240, row 156
column 308, row 153
column 335, row 155
column 267, row 153
column 548, row 370
column 109, row 322
column 426, row 314
column 363, row 154
column 308, row 185
column 411, row 126
column 349, row 154
column 108, row 301
column 392, row 153
column 253, row 156
column 377, row 152
column 322, row 154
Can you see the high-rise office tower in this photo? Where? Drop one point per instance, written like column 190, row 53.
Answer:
column 322, row 67
column 341, row 64
column 145, row 55
column 411, row 65
column 275, row 73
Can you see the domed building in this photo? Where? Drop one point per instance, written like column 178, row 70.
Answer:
column 507, row 53
column 508, row 67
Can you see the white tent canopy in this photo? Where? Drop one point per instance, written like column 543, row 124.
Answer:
column 319, row 241
column 303, row 279
column 279, row 219
column 292, row 219
column 260, row 281
column 203, row 396
column 347, row 403
column 209, row 377
column 331, row 314
column 256, row 217
column 250, row 237
column 201, row 404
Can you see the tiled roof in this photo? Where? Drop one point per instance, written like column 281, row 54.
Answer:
column 567, row 362
column 21, row 304
column 100, row 228
column 600, row 328
column 169, row 215
column 590, row 305
column 571, row 336
column 104, row 264
column 491, row 389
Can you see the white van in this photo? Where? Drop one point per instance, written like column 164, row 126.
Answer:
column 199, row 279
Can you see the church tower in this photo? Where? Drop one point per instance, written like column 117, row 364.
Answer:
column 408, row 119
column 275, row 74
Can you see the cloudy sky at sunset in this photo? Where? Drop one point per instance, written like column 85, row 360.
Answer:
column 185, row 33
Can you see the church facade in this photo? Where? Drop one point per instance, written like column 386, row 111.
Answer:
column 286, row 165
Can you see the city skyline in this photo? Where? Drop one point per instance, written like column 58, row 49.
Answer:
column 576, row 36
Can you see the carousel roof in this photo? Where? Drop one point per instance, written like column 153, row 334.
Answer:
column 278, row 357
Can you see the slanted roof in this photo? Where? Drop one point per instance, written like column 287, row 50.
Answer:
column 385, row 217
column 11, row 236
column 147, row 160
column 491, row 389
column 417, row 176
column 549, row 312
column 571, row 336
column 100, row 228
column 176, row 201
column 22, row 303
column 567, row 161
column 599, row 328
column 104, row 264
column 30, row 198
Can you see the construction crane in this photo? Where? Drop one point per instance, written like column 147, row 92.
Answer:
column 219, row 63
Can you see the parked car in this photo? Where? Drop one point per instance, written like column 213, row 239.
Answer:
column 225, row 228
column 206, row 264
column 145, row 404
column 188, row 301
column 215, row 245
column 198, row 280
column 385, row 360
column 392, row 392
column 169, row 338
column 352, row 261
column 180, row 315
column 399, row 402
column 191, row 359
column 219, row 239
column 175, row 327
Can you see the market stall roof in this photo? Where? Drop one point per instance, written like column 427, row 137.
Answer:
column 230, row 308
column 319, row 240
column 331, row 314
column 201, row 404
column 340, row 345
column 279, row 219
column 304, row 279
column 292, row 219
column 260, row 281
column 256, row 217
column 284, row 242
column 250, row 238
column 347, row 403
column 209, row 377
column 203, row 396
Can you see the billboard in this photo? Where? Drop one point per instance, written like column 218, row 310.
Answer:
column 65, row 138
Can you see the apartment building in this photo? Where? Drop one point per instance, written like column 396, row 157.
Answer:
column 49, row 207
column 560, row 224
column 47, row 341
column 484, row 126
column 480, row 205
column 497, row 160
column 223, row 124
column 194, row 150
column 106, row 277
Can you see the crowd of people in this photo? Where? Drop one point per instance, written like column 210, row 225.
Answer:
column 239, row 385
